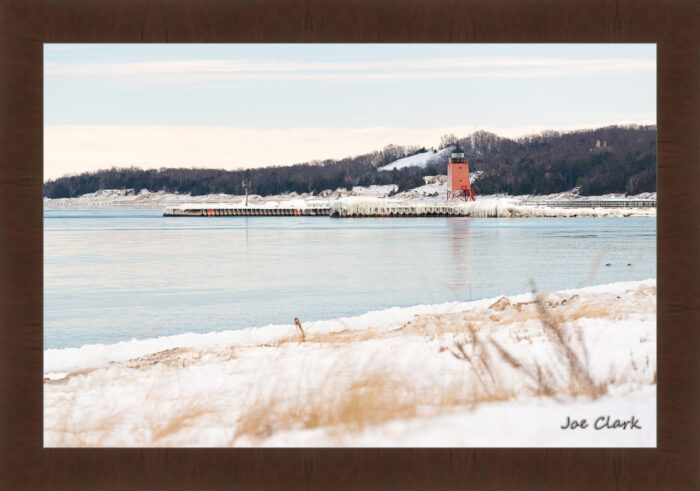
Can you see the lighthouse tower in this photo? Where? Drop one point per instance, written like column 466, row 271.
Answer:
column 458, row 186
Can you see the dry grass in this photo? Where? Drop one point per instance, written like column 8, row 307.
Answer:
column 373, row 398
column 367, row 398
column 560, row 308
column 569, row 374
column 70, row 432
column 181, row 357
column 185, row 416
column 337, row 337
column 101, row 430
column 63, row 380
column 573, row 353
column 173, row 358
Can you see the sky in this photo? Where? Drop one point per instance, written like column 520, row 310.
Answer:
column 235, row 106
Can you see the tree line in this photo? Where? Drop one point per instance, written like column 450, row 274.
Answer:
column 615, row 159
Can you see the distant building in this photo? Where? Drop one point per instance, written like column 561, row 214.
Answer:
column 600, row 147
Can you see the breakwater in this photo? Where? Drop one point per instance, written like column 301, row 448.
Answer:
column 357, row 207
column 235, row 210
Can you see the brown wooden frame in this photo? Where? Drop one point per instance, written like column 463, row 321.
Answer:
column 26, row 24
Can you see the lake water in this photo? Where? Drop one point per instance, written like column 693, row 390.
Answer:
column 116, row 274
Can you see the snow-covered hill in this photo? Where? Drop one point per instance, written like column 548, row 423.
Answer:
column 418, row 160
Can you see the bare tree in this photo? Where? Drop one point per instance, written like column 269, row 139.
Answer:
column 448, row 140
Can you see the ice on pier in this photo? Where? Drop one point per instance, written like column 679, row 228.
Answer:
column 481, row 208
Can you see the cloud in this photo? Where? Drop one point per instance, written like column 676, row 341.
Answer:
column 81, row 148
column 198, row 71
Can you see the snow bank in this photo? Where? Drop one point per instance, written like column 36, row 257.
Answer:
column 523, row 424
column 58, row 362
column 421, row 376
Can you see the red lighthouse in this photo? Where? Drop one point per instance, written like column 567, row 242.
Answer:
column 458, row 186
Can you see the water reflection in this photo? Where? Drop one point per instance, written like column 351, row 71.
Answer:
column 459, row 234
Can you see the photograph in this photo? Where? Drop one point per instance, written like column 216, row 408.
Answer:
column 350, row 245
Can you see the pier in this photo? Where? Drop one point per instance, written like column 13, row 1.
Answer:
column 359, row 207
column 236, row 210
column 390, row 208
column 593, row 204
column 338, row 209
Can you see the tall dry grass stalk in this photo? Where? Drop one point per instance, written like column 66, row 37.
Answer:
column 579, row 375
column 298, row 324
column 595, row 265
column 570, row 374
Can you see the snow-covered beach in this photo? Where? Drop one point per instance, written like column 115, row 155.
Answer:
column 504, row 371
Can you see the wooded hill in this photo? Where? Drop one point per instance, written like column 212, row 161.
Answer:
column 614, row 159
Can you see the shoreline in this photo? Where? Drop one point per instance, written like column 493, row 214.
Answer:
column 433, row 375
column 114, row 198
column 96, row 355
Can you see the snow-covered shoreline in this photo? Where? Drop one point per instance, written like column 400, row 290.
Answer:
column 370, row 202
column 432, row 191
column 428, row 375
column 58, row 362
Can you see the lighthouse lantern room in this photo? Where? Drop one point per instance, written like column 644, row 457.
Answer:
column 458, row 186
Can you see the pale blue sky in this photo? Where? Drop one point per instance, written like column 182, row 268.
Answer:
column 212, row 105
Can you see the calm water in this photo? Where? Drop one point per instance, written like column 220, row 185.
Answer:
column 117, row 274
